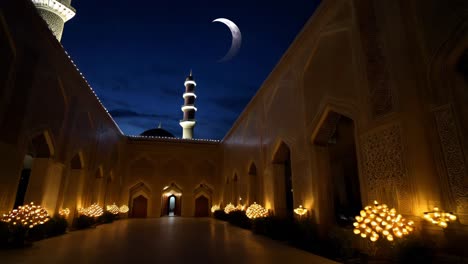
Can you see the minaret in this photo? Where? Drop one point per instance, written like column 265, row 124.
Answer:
column 188, row 108
column 55, row 13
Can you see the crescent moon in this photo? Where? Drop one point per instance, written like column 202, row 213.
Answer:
column 236, row 38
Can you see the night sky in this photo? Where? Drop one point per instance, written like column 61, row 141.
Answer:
column 136, row 55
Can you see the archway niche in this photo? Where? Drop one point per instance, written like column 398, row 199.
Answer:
column 336, row 138
column 139, row 207
column 139, row 200
column 227, row 191
column 253, row 184
column 98, row 182
column 203, row 197
column 45, row 175
column 74, row 187
column 282, row 177
column 171, row 202
column 108, row 192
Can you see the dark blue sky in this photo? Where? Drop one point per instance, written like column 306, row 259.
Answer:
column 136, row 55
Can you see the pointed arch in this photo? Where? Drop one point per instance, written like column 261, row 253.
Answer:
column 139, row 200
column 41, row 145
column 171, row 202
column 77, row 161
column 282, row 177
column 335, row 142
column 281, row 153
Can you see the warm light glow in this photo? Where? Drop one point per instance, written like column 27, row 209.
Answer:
column 439, row 218
column 215, row 208
column 64, row 212
column 123, row 209
column 256, row 211
column 229, row 208
column 300, row 210
column 28, row 215
column 114, row 209
column 93, row 211
column 240, row 207
column 368, row 224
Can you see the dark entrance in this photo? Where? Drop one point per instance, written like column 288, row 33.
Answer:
column 201, row 207
column 282, row 158
column 140, row 207
column 24, row 181
column 337, row 136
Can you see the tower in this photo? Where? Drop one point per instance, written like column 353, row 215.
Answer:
column 188, row 108
column 55, row 13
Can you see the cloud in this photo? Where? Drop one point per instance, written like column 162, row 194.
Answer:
column 127, row 113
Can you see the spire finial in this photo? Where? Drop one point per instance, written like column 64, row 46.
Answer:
column 159, row 126
column 190, row 72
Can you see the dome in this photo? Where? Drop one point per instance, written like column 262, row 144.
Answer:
column 157, row 132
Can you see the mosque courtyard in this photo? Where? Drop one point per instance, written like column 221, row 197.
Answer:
column 161, row 240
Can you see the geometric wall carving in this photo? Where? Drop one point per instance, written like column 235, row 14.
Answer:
column 381, row 97
column 385, row 169
column 454, row 158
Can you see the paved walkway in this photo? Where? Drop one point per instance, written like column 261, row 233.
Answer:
column 162, row 240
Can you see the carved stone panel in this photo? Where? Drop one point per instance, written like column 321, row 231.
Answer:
column 381, row 97
column 454, row 159
column 385, row 169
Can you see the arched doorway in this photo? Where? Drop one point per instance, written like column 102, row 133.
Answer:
column 140, row 200
column 139, row 207
column 171, row 207
column 171, row 202
column 336, row 137
column 201, row 206
column 284, row 200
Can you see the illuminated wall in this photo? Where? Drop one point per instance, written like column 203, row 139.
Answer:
column 383, row 65
column 48, row 109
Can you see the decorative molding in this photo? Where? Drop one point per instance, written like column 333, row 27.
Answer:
column 454, row 158
column 385, row 168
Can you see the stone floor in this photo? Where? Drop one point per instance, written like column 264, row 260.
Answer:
column 161, row 240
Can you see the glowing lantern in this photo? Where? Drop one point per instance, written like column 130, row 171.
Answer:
column 123, row 209
column 64, row 212
column 439, row 218
column 93, row 211
column 256, row 211
column 229, row 208
column 114, row 209
column 300, row 210
column 27, row 215
column 379, row 219
column 215, row 208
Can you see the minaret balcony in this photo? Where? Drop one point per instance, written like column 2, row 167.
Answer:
column 190, row 82
column 189, row 94
column 187, row 123
column 64, row 11
column 188, row 107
